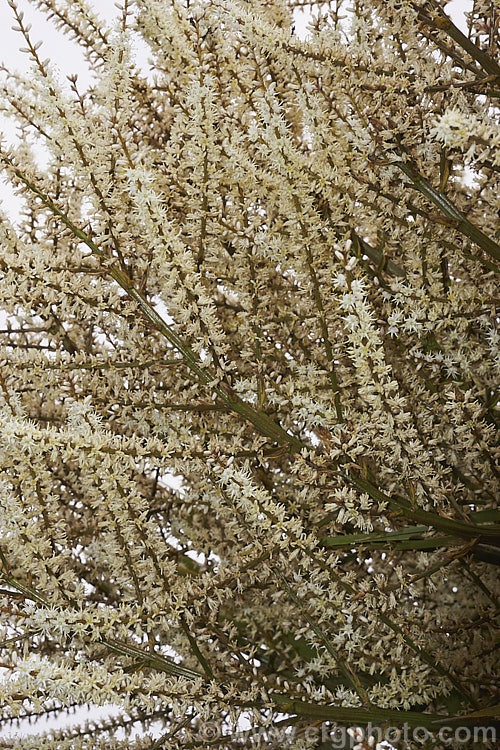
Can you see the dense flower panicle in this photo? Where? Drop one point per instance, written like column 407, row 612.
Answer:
column 249, row 361
column 453, row 128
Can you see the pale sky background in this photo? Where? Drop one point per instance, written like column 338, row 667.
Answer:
column 68, row 58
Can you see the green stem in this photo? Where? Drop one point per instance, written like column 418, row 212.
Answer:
column 462, row 224
column 362, row 716
column 458, row 528
column 444, row 23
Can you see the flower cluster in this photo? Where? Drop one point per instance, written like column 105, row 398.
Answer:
column 249, row 360
column 454, row 128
